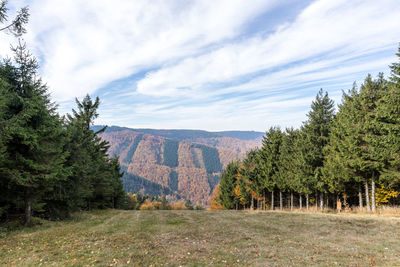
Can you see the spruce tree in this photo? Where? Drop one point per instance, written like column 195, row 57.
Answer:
column 17, row 25
column 95, row 180
column 354, row 153
column 227, row 185
column 388, row 117
column 269, row 163
column 33, row 146
column 249, row 184
column 316, row 132
column 288, row 172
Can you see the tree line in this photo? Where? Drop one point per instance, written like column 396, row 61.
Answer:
column 50, row 165
column 148, row 202
column 351, row 157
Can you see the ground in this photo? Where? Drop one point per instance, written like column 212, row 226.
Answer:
column 198, row 238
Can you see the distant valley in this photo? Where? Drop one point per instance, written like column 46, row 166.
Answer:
column 182, row 164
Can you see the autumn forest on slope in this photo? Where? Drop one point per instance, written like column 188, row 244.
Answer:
column 180, row 164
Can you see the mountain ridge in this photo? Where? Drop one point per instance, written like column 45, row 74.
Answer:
column 180, row 163
column 186, row 133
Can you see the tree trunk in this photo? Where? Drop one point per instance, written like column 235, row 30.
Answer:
column 291, row 200
column 252, row 203
column 373, row 194
column 280, row 200
column 307, row 202
column 327, row 201
column 272, row 200
column 264, row 200
column 236, row 206
column 28, row 208
column 301, row 201
column 367, row 195
column 316, row 201
column 321, row 205
column 360, row 201
column 288, row 203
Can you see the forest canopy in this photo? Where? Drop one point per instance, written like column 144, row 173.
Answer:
column 351, row 156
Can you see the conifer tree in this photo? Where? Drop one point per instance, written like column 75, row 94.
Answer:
column 242, row 191
column 354, row 150
column 341, row 150
column 249, row 185
column 227, row 185
column 17, row 25
column 316, row 132
column 288, row 172
column 269, row 163
column 388, row 117
column 34, row 133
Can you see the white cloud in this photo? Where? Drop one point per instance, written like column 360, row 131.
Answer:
column 201, row 69
column 85, row 45
column 348, row 27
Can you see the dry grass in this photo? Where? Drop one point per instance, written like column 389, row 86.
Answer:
column 198, row 238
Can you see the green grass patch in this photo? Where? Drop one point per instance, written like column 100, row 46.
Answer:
column 198, row 238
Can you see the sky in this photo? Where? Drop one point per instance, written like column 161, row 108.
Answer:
column 211, row 65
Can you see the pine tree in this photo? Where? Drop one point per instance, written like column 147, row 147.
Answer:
column 94, row 179
column 5, row 97
column 288, row 171
column 316, row 132
column 354, row 153
column 227, row 185
column 34, row 133
column 388, row 117
column 269, row 163
column 249, row 185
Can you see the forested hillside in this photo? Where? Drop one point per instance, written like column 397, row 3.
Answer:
column 179, row 163
column 350, row 158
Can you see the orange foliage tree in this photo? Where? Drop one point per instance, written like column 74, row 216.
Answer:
column 215, row 202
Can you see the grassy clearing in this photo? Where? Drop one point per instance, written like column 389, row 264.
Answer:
column 195, row 238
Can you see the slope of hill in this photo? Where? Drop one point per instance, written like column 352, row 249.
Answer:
column 178, row 163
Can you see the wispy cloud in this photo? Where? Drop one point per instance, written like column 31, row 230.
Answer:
column 225, row 64
column 85, row 45
column 323, row 31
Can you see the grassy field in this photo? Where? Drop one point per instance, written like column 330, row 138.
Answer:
column 223, row 238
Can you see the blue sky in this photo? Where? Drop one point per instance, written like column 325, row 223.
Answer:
column 211, row 65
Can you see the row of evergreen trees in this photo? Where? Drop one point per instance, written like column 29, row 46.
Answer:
column 49, row 165
column 347, row 155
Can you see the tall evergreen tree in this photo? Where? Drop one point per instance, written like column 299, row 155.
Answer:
column 316, row 132
column 249, row 182
column 95, row 179
column 388, row 117
column 354, row 152
column 287, row 169
column 34, row 132
column 227, row 185
column 269, row 163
